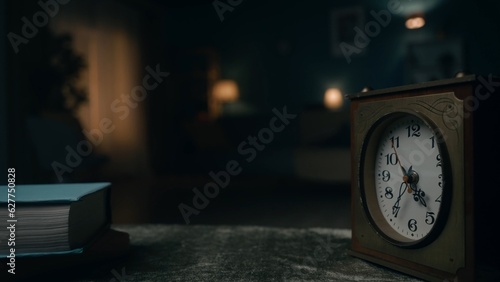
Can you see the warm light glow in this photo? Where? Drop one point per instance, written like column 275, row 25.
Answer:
column 415, row 22
column 366, row 89
column 333, row 99
column 225, row 91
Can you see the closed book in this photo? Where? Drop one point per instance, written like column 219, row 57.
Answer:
column 46, row 219
column 99, row 256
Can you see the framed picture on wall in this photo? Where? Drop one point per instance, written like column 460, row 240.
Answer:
column 342, row 24
column 434, row 60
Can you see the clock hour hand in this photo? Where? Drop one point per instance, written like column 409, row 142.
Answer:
column 412, row 179
column 418, row 194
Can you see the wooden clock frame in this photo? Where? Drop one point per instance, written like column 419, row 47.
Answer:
column 466, row 114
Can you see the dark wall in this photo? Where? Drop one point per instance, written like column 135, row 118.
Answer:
column 3, row 98
column 280, row 51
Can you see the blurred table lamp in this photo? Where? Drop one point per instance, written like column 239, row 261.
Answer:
column 224, row 91
column 333, row 99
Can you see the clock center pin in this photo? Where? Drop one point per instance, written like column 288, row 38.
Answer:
column 411, row 177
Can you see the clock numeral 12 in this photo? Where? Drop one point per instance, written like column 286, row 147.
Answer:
column 413, row 130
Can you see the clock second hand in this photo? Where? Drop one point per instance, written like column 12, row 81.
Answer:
column 404, row 185
column 405, row 174
column 397, row 157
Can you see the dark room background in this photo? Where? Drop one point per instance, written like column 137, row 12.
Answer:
column 74, row 71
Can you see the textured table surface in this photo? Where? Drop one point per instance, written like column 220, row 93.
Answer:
column 241, row 253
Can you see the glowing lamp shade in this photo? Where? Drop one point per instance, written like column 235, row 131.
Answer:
column 415, row 22
column 333, row 99
column 225, row 91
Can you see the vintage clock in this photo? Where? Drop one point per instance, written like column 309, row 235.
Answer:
column 425, row 170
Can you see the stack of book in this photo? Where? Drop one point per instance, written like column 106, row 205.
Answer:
column 56, row 225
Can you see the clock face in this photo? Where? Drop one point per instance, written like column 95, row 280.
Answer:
column 407, row 178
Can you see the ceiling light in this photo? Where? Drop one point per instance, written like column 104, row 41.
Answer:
column 415, row 22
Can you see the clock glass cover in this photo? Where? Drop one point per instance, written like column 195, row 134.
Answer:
column 408, row 179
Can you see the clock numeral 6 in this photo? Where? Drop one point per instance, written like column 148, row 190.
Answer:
column 412, row 225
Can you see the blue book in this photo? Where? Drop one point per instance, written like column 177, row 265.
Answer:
column 37, row 220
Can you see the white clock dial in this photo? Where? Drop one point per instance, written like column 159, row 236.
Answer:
column 409, row 177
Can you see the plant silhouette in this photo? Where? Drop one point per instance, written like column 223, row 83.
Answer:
column 54, row 70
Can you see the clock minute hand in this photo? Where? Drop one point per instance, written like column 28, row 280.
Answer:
column 396, row 207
